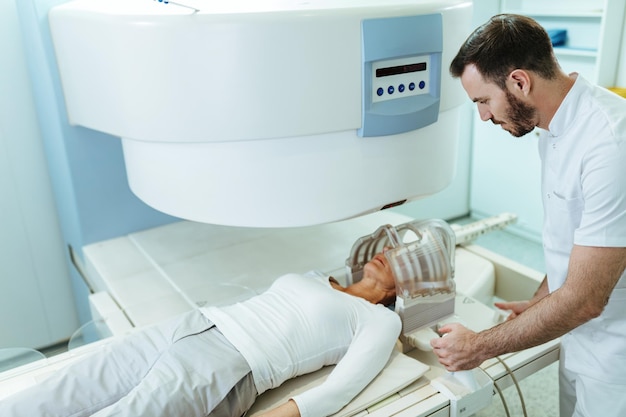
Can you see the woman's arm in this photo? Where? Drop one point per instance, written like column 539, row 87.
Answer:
column 367, row 355
column 288, row 409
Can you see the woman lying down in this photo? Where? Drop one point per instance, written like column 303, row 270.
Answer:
column 215, row 361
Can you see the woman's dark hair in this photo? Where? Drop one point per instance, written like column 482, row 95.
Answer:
column 505, row 43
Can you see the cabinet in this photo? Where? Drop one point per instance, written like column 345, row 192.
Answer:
column 594, row 31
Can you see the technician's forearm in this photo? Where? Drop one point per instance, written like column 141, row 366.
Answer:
column 548, row 318
column 541, row 292
column 592, row 275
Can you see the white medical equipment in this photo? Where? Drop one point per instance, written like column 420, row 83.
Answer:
column 274, row 113
column 421, row 255
column 153, row 274
column 269, row 113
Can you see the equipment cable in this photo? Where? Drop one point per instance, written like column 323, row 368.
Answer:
column 509, row 372
column 517, row 387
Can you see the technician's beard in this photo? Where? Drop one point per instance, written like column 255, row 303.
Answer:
column 520, row 116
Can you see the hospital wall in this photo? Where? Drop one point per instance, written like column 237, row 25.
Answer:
column 36, row 302
column 65, row 187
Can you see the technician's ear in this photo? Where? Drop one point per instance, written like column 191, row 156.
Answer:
column 519, row 82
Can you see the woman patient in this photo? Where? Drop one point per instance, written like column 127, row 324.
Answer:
column 215, row 361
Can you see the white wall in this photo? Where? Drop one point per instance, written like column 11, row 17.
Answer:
column 36, row 304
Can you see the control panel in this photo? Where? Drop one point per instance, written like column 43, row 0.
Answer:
column 401, row 73
column 399, row 78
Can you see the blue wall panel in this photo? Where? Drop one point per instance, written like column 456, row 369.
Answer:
column 86, row 167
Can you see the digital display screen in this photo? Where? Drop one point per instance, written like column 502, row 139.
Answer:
column 400, row 69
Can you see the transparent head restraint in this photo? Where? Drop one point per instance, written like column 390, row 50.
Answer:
column 420, row 253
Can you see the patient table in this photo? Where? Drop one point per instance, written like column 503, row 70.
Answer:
column 151, row 275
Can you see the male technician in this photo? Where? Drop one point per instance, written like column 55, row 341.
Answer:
column 508, row 68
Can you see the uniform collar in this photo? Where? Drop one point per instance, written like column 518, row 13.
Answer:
column 567, row 112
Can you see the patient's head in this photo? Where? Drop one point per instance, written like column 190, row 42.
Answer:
column 378, row 278
column 377, row 284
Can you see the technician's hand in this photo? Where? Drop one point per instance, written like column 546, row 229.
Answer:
column 455, row 349
column 515, row 307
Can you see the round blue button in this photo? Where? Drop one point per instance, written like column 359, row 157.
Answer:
column 380, row 91
column 412, row 86
column 422, row 85
column 390, row 89
column 401, row 88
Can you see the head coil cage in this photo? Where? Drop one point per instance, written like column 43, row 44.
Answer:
column 421, row 255
column 423, row 269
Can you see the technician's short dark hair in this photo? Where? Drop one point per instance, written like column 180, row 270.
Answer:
column 504, row 43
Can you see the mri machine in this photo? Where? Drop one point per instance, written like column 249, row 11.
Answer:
column 265, row 125
column 148, row 276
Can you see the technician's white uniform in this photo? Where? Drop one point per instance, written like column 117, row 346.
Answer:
column 190, row 368
column 584, row 195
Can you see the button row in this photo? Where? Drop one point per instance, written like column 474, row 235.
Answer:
column 391, row 89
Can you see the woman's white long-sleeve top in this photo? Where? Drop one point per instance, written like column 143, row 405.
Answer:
column 301, row 324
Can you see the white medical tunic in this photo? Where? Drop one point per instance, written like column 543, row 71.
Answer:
column 584, row 196
column 301, row 324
